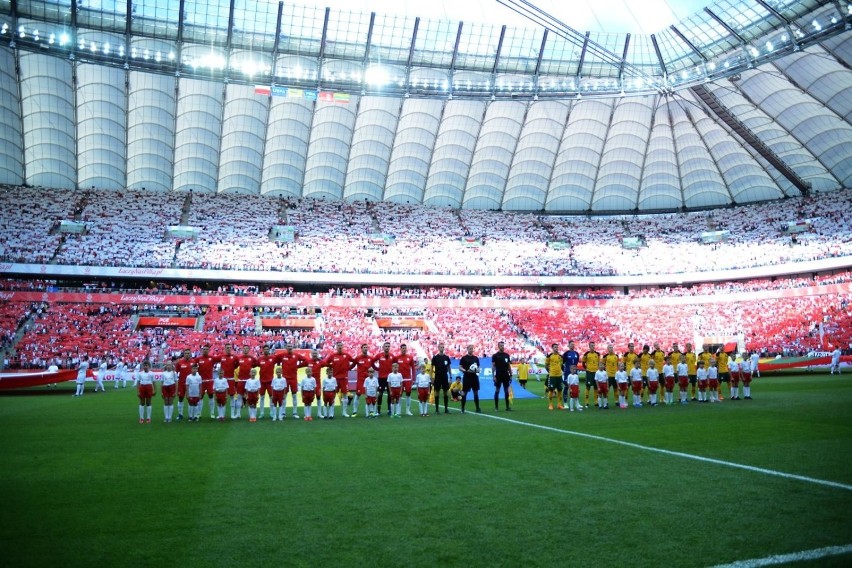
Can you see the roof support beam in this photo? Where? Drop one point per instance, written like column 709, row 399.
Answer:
column 785, row 19
column 659, row 55
column 623, row 59
column 728, row 28
column 493, row 86
column 684, row 39
column 411, row 55
column 322, row 46
column 277, row 43
column 537, row 60
column 452, row 69
column 582, row 58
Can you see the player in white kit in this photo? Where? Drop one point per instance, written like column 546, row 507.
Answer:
column 423, row 382
column 82, row 369
column 308, row 386
column 193, row 393
column 371, row 392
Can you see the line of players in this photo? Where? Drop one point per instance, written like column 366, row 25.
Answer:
column 238, row 380
column 645, row 374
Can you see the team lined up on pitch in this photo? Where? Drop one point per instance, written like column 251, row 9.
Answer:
column 238, row 380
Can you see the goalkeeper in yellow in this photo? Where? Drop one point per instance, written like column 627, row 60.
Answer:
column 553, row 364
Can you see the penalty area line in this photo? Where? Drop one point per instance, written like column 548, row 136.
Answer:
column 802, row 556
column 823, row 482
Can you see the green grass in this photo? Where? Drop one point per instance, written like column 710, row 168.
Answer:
column 84, row 484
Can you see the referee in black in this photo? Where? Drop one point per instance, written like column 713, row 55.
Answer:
column 502, row 366
column 441, row 377
column 469, row 365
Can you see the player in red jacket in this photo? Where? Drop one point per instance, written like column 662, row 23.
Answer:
column 245, row 363
column 183, row 368
column 407, row 366
column 341, row 363
column 266, row 362
column 227, row 367
column 205, row 363
column 290, row 363
column 315, row 364
column 383, row 363
column 363, row 364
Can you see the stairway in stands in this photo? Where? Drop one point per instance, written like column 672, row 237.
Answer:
column 750, row 138
column 9, row 350
column 77, row 215
column 184, row 220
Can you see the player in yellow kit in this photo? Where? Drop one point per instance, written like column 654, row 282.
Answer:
column 591, row 363
column 691, row 368
column 629, row 357
column 644, row 363
column 722, row 361
column 675, row 355
column 610, row 364
column 553, row 363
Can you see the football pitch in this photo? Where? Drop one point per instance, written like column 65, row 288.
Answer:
column 694, row 485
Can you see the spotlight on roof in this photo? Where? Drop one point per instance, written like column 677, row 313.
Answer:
column 374, row 75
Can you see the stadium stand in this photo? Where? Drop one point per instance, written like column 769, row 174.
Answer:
column 128, row 229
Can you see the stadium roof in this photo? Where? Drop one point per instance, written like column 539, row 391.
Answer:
column 739, row 102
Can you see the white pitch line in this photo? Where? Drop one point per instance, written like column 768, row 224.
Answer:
column 833, row 484
column 814, row 554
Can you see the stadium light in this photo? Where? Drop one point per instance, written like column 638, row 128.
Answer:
column 816, row 25
column 35, row 35
column 121, row 51
column 171, row 56
column 106, row 48
column 93, row 47
column 769, row 46
column 63, row 39
column 22, row 31
column 4, row 29
column 51, row 39
column 376, row 75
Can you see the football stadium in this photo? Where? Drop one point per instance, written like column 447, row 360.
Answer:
column 485, row 283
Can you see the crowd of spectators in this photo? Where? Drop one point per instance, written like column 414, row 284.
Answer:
column 773, row 325
column 29, row 217
column 125, row 228
column 128, row 229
